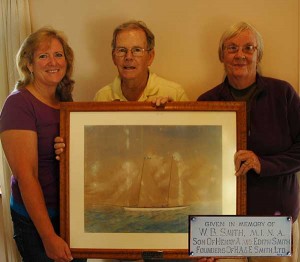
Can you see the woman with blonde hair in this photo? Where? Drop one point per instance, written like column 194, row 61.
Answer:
column 29, row 121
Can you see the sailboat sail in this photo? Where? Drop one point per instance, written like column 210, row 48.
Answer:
column 157, row 176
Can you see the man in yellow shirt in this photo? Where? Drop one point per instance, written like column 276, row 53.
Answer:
column 132, row 53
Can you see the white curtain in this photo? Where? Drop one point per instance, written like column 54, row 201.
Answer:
column 14, row 27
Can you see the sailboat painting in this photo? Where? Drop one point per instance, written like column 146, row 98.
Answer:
column 148, row 179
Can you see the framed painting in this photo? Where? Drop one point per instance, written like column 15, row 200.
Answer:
column 131, row 174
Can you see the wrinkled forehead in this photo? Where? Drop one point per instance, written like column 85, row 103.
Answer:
column 47, row 42
column 130, row 37
column 242, row 37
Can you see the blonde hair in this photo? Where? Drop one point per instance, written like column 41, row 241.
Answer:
column 25, row 57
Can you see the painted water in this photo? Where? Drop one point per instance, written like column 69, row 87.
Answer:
column 119, row 220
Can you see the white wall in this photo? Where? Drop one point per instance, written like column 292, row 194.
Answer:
column 187, row 34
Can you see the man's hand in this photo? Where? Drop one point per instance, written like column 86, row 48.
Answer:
column 161, row 101
column 244, row 160
column 59, row 146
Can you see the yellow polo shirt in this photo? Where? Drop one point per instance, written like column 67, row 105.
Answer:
column 156, row 87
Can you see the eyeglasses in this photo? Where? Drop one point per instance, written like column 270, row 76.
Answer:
column 247, row 49
column 135, row 51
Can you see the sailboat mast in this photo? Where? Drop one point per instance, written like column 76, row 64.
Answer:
column 140, row 183
column 170, row 178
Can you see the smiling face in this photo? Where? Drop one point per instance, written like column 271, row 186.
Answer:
column 49, row 64
column 132, row 67
column 241, row 66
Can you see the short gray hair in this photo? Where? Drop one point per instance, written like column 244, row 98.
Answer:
column 134, row 24
column 237, row 29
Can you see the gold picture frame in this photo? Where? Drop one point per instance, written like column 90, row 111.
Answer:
column 177, row 160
